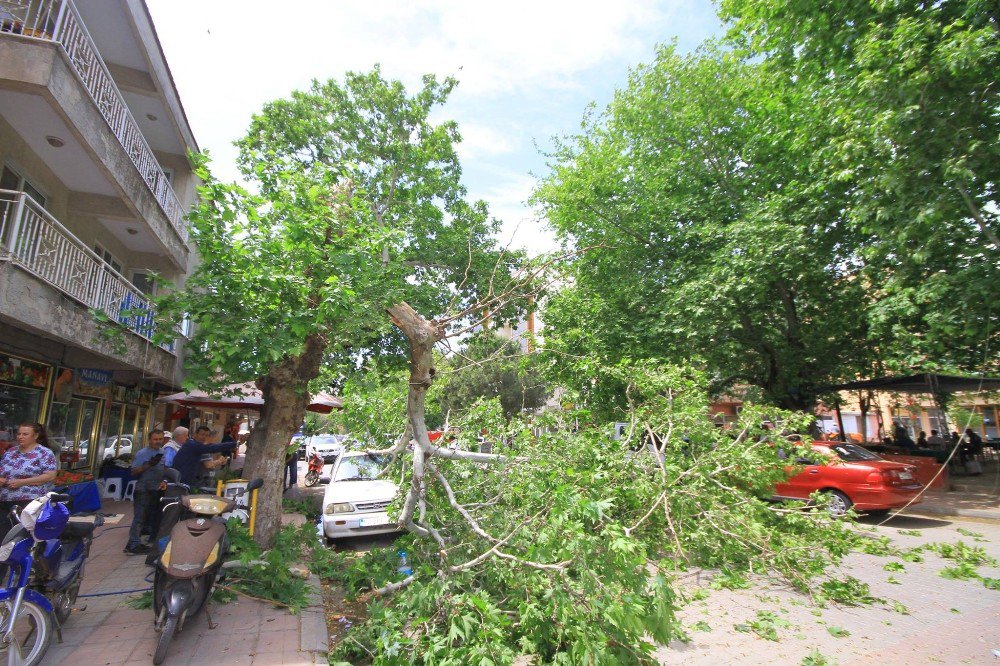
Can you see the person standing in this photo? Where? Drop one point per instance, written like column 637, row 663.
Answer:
column 148, row 468
column 935, row 441
column 188, row 460
column 26, row 471
column 172, row 446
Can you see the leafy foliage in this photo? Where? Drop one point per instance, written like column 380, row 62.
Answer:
column 592, row 530
column 491, row 366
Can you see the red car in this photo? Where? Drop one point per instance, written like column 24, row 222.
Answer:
column 852, row 476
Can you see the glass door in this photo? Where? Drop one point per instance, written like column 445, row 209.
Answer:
column 112, row 428
column 72, row 428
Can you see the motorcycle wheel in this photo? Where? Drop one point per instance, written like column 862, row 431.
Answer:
column 31, row 633
column 166, row 635
column 311, row 478
column 63, row 601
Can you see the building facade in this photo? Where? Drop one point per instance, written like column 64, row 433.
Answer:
column 94, row 185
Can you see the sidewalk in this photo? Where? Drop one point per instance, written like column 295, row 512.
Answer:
column 968, row 496
column 109, row 633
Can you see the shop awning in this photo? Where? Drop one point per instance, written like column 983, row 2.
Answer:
column 245, row 396
column 927, row 382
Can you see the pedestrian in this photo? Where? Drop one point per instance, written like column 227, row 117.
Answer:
column 148, row 469
column 26, row 471
column 173, row 445
column 922, row 440
column 188, row 460
column 935, row 441
column 902, row 437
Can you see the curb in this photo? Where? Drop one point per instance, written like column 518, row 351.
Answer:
column 313, row 637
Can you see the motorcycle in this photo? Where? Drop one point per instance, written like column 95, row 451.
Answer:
column 190, row 550
column 315, row 469
column 43, row 559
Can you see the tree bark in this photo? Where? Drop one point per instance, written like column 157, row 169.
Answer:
column 286, row 394
column 422, row 335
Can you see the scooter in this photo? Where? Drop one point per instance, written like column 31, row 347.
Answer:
column 315, row 469
column 43, row 556
column 192, row 546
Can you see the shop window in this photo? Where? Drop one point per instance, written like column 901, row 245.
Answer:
column 22, row 393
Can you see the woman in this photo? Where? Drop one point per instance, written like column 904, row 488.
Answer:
column 26, row 471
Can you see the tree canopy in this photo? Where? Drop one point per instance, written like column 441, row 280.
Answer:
column 357, row 203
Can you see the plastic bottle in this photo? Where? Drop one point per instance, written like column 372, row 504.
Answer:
column 404, row 568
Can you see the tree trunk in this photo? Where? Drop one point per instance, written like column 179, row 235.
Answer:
column 285, row 390
column 422, row 335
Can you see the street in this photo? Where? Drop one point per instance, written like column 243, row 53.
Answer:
column 949, row 621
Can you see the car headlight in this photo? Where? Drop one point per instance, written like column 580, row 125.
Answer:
column 339, row 507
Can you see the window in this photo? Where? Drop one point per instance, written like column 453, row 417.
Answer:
column 106, row 255
column 12, row 180
column 143, row 281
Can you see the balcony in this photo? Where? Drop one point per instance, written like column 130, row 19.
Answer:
column 36, row 242
column 59, row 22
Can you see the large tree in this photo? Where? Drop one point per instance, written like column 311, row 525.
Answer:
column 706, row 236
column 910, row 92
column 357, row 204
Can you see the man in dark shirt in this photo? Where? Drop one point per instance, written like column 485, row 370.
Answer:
column 188, row 460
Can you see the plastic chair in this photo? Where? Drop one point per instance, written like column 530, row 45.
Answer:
column 129, row 491
column 112, row 489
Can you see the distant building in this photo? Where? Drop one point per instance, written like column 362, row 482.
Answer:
column 94, row 186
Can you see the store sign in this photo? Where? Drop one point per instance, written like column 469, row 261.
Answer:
column 93, row 376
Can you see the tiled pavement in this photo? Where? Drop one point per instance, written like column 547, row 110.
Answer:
column 107, row 632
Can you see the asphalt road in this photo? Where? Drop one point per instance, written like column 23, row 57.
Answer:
column 948, row 621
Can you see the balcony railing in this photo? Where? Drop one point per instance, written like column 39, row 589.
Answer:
column 59, row 21
column 38, row 243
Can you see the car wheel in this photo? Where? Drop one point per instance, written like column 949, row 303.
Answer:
column 838, row 504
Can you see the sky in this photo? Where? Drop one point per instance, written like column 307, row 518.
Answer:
column 527, row 71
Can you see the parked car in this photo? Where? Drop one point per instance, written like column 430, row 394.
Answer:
column 327, row 446
column 124, row 445
column 355, row 501
column 852, row 476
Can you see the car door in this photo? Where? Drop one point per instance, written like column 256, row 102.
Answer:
column 810, row 479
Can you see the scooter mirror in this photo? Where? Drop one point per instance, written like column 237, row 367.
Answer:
column 324, row 480
column 255, row 484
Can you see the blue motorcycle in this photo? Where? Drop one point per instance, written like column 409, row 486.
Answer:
column 41, row 567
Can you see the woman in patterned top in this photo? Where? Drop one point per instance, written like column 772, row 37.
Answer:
column 26, row 471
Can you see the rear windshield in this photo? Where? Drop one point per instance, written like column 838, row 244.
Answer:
column 852, row 452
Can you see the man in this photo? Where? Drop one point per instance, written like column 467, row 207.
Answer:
column 935, row 441
column 148, row 468
column 173, row 445
column 188, row 460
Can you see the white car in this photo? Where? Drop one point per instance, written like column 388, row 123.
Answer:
column 327, row 446
column 355, row 501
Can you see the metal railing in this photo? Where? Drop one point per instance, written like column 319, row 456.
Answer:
column 59, row 21
column 37, row 242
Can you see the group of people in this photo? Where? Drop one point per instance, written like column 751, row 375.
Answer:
column 189, row 460
column 28, row 470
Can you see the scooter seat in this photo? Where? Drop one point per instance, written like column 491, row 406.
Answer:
column 82, row 526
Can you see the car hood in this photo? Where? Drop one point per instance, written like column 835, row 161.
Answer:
column 359, row 491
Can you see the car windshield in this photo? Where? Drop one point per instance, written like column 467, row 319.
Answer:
column 360, row 468
column 325, row 441
column 852, row 452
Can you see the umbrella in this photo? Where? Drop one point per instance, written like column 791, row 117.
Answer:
column 247, row 396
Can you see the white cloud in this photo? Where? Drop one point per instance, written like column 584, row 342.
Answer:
column 522, row 67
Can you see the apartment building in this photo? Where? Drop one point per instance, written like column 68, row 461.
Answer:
column 94, row 186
